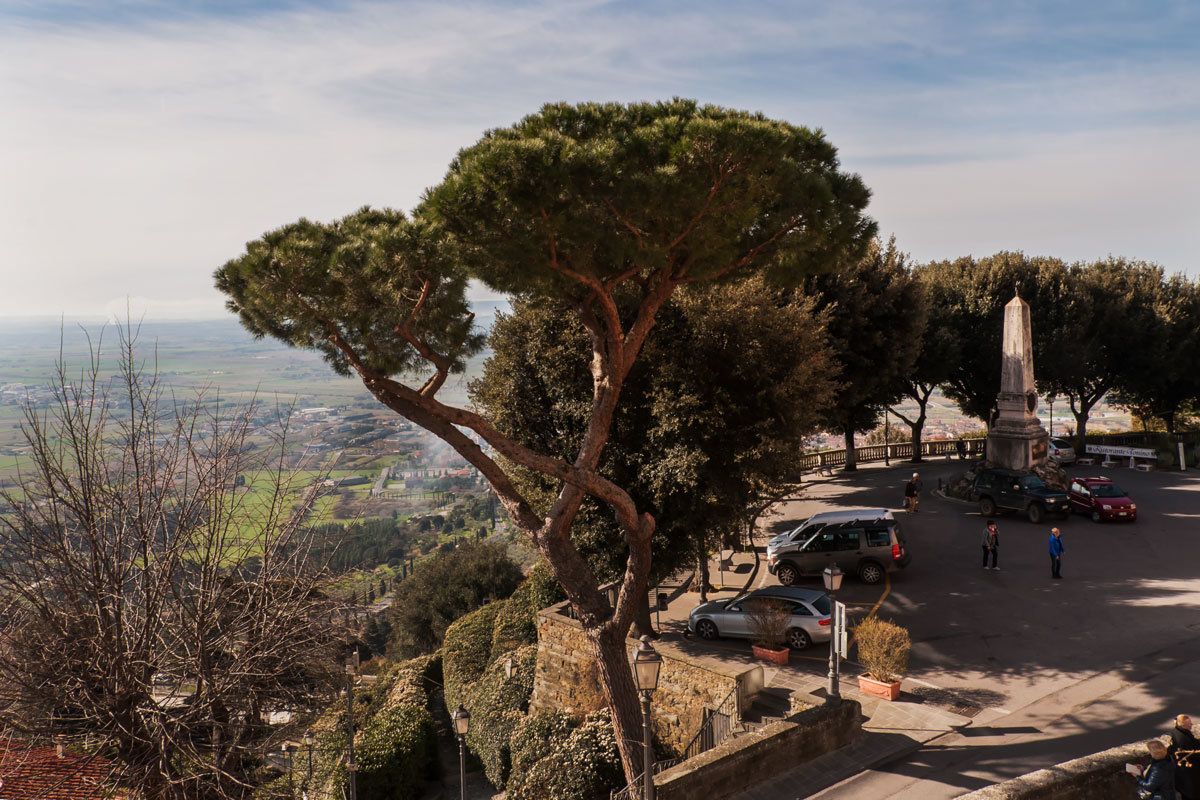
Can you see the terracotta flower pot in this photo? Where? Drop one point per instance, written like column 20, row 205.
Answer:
column 886, row 690
column 767, row 654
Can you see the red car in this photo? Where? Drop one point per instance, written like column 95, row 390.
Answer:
column 1101, row 498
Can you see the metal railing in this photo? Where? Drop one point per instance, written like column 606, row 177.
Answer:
column 718, row 724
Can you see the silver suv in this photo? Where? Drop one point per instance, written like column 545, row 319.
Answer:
column 866, row 542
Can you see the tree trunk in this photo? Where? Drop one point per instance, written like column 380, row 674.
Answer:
column 643, row 623
column 612, row 661
column 1081, row 421
column 917, row 428
column 702, row 575
column 851, row 455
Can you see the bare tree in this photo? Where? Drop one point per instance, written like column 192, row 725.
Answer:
column 146, row 602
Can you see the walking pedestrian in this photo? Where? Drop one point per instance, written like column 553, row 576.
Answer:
column 912, row 493
column 1185, row 754
column 1057, row 548
column 991, row 543
column 1157, row 780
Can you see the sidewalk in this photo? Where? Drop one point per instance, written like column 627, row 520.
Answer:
column 892, row 730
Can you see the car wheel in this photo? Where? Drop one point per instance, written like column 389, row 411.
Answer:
column 870, row 572
column 787, row 574
column 987, row 506
column 706, row 629
column 797, row 639
column 1095, row 516
column 1036, row 513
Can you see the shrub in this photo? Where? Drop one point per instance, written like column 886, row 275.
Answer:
column 516, row 623
column 883, row 649
column 552, row 760
column 467, row 652
column 442, row 589
column 397, row 753
column 497, row 704
column 396, row 736
column 769, row 621
column 544, row 590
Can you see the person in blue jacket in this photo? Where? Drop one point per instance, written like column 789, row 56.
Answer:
column 1057, row 548
column 1157, row 781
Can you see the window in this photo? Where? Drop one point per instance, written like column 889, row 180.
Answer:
column 879, row 538
column 821, row 604
column 846, row 540
column 800, row 610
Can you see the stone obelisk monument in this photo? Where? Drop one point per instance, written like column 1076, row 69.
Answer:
column 1017, row 439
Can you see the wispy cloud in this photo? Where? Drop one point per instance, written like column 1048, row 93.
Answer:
column 141, row 145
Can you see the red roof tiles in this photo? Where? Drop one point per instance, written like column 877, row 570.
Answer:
column 38, row 773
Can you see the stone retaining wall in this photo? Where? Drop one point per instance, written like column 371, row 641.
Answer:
column 566, row 678
column 1100, row 776
column 740, row 763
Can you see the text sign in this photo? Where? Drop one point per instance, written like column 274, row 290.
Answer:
column 1128, row 452
column 839, row 617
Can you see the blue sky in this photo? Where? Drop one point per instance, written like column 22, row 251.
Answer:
column 143, row 143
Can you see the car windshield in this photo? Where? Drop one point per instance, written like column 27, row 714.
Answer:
column 737, row 599
column 821, row 604
column 1106, row 490
column 1032, row 482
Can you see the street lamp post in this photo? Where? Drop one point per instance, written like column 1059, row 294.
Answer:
column 351, row 764
column 647, row 663
column 833, row 581
column 887, row 456
column 1052, row 415
column 308, row 745
column 287, row 755
column 462, row 720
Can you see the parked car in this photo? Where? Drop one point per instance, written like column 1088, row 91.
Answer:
column 866, row 542
column 810, row 615
column 1101, row 499
column 1062, row 452
column 996, row 489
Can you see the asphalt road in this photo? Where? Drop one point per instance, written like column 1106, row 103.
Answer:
column 1106, row 656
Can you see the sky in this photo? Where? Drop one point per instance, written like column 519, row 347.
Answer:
column 143, row 143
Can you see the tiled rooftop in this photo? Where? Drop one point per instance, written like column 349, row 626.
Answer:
column 38, row 773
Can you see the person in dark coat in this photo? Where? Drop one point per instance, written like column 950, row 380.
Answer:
column 1157, row 781
column 1187, row 767
column 1057, row 548
column 912, row 493
column 991, row 544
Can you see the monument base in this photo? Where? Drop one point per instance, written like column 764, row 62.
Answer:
column 1020, row 450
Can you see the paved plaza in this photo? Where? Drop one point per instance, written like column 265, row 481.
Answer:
column 1010, row 671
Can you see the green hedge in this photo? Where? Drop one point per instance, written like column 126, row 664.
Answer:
column 554, row 760
column 516, row 623
column 395, row 743
column 398, row 752
column 544, row 590
column 498, row 704
column 467, row 652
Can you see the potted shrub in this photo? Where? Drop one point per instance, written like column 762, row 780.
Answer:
column 883, row 649
column 769, row 621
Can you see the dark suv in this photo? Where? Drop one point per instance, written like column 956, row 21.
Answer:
column 1018, row 491
column 867, row 546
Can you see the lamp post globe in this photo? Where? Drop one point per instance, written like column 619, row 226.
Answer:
column 647, row 663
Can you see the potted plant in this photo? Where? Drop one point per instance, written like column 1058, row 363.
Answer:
column 883, row 649
column 769, row 621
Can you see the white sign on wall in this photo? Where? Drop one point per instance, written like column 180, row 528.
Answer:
column 1127, row 452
